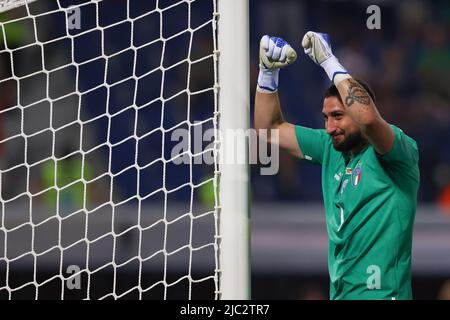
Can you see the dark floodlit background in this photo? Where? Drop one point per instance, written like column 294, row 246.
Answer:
column 407, row 63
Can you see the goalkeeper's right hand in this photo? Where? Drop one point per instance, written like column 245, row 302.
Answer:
column 274, row 53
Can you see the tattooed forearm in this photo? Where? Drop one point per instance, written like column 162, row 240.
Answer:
column 356, row 93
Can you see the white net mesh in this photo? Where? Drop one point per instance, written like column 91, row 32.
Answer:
column 95, row 203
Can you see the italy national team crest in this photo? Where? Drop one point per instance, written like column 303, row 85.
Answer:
column 356, row 174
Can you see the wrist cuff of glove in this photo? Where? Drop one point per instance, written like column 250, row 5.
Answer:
column 268, row 80
column 335, row 71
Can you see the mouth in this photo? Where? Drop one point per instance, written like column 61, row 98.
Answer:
column 337, row 137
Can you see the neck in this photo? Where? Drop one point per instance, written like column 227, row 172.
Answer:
column 359, row 148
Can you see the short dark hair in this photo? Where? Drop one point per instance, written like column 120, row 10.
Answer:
column 332, row 91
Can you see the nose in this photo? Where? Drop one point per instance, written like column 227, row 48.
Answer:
column 330, row 127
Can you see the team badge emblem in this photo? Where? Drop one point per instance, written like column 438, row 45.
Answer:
column 356, row 174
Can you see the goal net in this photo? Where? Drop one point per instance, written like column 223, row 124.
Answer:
column 109, row 112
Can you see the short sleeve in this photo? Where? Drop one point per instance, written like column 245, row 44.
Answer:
column 402, row 161
column 312, row 143
column 404, row 151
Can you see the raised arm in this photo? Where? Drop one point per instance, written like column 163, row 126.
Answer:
column 268, row 116
column 359, row 104
column 275, row 53
column 362, row 109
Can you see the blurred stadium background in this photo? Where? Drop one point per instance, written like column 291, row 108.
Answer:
column 407, row 63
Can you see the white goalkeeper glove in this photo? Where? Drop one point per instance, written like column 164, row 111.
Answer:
column 317, row 46
column 274, row 53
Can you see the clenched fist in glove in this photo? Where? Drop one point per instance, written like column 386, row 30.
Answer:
column 274, row 53
column 317, row 46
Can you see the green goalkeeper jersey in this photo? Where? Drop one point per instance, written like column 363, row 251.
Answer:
column 370, row 204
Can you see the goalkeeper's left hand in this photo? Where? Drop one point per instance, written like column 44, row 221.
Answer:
column 317, row 46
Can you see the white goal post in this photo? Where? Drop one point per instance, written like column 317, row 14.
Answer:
column 95, row 203
column 234, row 109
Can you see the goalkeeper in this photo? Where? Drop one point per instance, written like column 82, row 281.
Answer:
column 370, row 174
